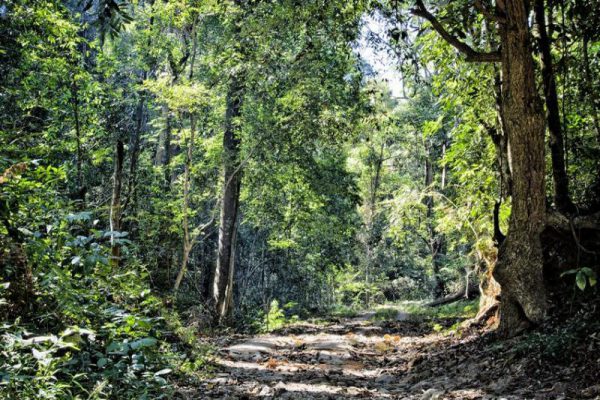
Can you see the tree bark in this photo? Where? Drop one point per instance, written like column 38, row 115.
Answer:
column 163, row 151
column 134, row 152
column 222, row 285
column 500, row 140
column 562, row 199
column 436, row 241
column 187, row 240
column 115, row 205
column 76, row 117
column 520, row 259
column 370, row 222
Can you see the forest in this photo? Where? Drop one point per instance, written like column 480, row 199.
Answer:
column 307, row 199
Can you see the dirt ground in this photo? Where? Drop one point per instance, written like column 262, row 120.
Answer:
column 400, row 359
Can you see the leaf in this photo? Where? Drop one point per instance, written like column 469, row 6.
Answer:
column 271, row 363
column 80, row 216
column 102, row 362
column 587, row 271
column 569, row 272
column 580, row 280
column 160, row 380
column 141, row 343
column 163, row 372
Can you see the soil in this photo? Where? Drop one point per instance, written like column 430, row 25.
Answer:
column 403, row 359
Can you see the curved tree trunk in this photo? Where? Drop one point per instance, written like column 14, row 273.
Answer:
column 519, row 267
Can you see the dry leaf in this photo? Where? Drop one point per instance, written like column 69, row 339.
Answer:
column 271, row 363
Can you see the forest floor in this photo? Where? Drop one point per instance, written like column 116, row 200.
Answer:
column 403, row 357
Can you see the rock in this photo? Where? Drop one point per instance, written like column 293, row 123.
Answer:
column 501, row 385
column 386, row 379
column 266, row 391
column 432, row 394
column 280, row 388
column 591, row 392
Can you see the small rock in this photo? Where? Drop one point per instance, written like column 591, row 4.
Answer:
column 432, row 394
column 280, row 388
column 266, row 391
column 386, row 379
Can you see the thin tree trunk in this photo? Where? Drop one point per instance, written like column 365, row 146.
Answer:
column 134, row 144
column 500, row 140
column 80, row 194
column 436, row 242
column 372, row 209
column 163, row 150
column 222, row 286
column 519, row 267
column 115, row 205
column 187, row 241
column 562, row 198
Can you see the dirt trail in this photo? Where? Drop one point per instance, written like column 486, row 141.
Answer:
column 359, row 358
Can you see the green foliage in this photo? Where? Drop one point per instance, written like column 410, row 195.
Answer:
column 275, row 318
column 98, row 333
column 584, row 277
column 385, row 314
column 462, row 309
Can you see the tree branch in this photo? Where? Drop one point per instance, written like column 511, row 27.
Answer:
column 487, row 13
column 471, row 55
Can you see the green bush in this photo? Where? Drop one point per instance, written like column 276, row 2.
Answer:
column 89, row 329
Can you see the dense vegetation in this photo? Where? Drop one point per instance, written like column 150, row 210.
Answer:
column 175, row 167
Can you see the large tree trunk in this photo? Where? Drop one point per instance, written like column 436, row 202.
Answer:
column 519, row 267
column 222, row 285
column 562, row 200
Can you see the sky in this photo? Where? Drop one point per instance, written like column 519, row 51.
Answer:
column 376, row 55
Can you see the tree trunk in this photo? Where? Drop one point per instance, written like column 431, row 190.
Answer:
column 115, row 205
column 163, row 151
column 222, row 285
column 500, row 140
column 187, row 240
column 519, row 267
column 75, row 103
column 562, row 200
column 134, row 152
column 370, row 240
column 436, row 241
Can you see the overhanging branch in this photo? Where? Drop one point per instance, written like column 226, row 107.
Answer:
column 471, row 55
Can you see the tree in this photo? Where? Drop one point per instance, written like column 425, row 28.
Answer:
column 520, row 261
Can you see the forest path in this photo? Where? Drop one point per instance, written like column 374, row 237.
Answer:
column 363, row 358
